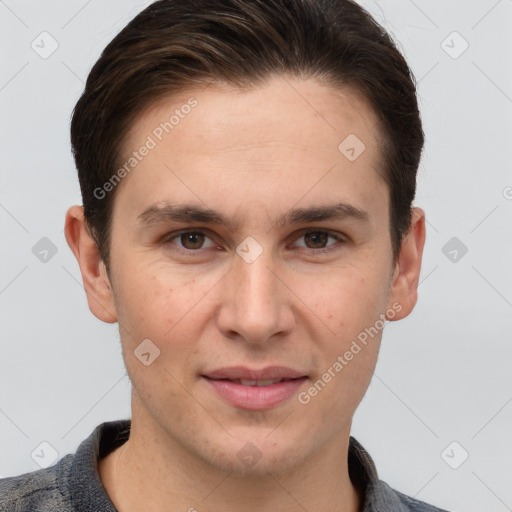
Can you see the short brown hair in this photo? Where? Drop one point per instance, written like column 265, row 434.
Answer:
column 175, row 44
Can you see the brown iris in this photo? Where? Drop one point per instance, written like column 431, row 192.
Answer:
column 316, row 238
column 195, row 240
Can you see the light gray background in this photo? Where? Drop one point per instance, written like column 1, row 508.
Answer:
column 444, row 373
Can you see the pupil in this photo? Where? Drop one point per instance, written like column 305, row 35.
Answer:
column 316, row 236
column 197, row 239
column 192, row 238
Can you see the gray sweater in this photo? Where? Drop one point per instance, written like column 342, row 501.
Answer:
column 73, row 483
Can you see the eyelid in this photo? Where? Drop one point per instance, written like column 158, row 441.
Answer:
column 339, row 237
column 295, row 236
column 176, row 234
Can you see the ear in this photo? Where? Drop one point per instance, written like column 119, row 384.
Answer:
column 94, row 274
column 404, row 289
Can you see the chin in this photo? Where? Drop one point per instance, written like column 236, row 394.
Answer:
column 257, row 458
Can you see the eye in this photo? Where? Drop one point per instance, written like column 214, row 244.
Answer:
column 190, row 240
column 316, row 240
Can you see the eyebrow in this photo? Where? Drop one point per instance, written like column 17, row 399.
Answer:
column 167, row 212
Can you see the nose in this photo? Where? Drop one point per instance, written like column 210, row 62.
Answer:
column 256, row 303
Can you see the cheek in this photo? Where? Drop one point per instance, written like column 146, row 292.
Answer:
column 152, row 302
column 346, row 301
column 154, row 309
column 347, row 340
column 167, row 310
column 142, row 299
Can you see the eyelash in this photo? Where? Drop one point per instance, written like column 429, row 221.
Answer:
column 302, row 233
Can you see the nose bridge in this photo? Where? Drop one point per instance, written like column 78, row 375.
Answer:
column 255, row 279
column 255, row 283
column 255, row 304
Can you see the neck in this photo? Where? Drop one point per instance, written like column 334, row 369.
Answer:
column 154, row 473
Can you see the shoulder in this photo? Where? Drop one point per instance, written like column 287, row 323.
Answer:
column 405, row 503
column 37, row 491
column 378, row 496
column 73, row 483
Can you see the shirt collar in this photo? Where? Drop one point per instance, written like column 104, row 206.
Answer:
column 376, row 495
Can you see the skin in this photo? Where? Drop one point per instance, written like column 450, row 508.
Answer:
column 251, row 155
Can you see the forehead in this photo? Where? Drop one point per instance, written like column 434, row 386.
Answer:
column 306, row 103
column 288, row 138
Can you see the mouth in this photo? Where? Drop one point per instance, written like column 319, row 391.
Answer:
column 251, row 376
column 258, row 383
column 255, row 389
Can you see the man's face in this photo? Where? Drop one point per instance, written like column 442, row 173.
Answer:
column 259, row 292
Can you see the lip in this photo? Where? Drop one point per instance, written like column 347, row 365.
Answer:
column 255, row 397
column 242, row 372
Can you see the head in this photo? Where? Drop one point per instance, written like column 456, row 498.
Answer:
column 172, row 46
column 263, row 115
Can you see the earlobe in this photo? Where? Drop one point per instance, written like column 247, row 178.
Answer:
column 96, row 282
column 404, row 288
